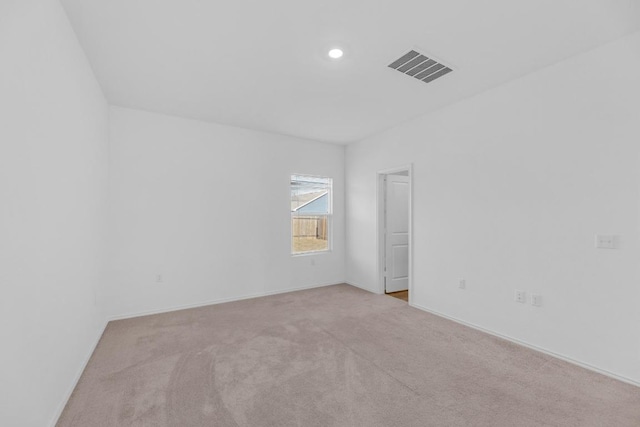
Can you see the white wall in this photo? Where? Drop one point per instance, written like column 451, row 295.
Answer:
column 510, row 188
column 206, row 207
column 53, row 193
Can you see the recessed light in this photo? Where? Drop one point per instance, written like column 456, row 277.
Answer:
column 336, row 53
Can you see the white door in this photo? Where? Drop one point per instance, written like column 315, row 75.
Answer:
column 396, row 233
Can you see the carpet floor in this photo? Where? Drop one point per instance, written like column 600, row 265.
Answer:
column 333, row 356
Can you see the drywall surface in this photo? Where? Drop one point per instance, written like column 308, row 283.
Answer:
column 201, row 212
column 53, row 194
column 510, row 189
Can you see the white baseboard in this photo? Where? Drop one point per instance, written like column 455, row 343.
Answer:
column 355, row 285
column 531, row 346
column 67, row 395
column 215, row 301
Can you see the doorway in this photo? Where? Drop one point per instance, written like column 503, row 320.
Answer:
column 394, row 232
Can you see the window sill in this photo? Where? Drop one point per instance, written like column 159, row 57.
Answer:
column 302, row 254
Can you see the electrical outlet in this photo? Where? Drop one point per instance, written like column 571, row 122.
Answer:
column 521, row 296
column 462, row 284
column 536, row 300
column 159, row 278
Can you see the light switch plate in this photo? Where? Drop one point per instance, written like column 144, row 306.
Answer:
column 606, row 241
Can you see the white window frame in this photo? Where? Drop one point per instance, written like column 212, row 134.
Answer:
column 329, row 216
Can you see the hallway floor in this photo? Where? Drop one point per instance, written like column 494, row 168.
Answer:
column 403, row 295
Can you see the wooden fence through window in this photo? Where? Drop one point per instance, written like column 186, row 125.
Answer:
column 309, row 226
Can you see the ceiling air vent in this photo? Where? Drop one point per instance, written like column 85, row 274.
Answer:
column 420, row 67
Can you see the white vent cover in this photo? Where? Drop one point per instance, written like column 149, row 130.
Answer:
column 420, row 67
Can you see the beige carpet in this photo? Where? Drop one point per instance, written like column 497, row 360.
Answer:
column 334, row 356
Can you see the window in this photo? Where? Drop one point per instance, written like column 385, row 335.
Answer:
column 311, row 208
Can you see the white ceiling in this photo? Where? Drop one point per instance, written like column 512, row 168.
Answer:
column 262, row 64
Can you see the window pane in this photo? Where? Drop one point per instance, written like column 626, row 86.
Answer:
column 310, row 233
column 310, row 195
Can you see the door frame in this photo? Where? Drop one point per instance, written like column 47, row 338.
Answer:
column 380, row 221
